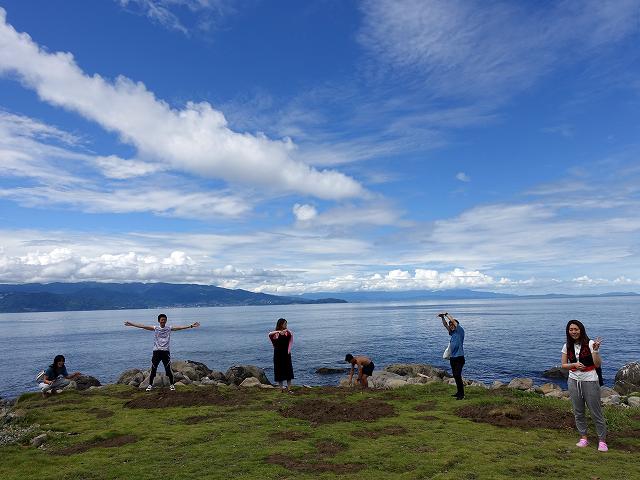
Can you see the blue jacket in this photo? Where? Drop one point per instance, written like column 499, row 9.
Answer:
column 456, row 341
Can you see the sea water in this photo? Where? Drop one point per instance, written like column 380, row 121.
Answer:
column 503, row 338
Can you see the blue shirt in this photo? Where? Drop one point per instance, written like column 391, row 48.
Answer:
column 456, row 341
column 51, row 374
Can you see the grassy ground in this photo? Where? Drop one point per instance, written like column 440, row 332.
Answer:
column 416, row 432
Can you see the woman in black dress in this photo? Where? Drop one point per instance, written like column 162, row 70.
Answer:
column 282, row 340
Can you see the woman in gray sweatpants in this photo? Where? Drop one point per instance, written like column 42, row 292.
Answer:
column 581, row 356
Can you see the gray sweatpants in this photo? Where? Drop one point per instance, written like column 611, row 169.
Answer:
column 589, row 393
column 58, row 384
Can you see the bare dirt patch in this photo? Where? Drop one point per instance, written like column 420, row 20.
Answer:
column 117, row 441
column 425, row 407
column 379, row 432
column 311, row 466
column 191, row 398
column 513, row 415
column 291, row 435
column 100, row 412
column 624, row 440
column 327, row 411
column 317, row 462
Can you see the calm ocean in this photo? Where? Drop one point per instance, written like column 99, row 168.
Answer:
column 504, row 338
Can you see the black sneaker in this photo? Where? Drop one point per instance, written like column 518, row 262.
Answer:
column 460, row 398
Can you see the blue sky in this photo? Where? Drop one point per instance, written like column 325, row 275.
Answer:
column 290, row 147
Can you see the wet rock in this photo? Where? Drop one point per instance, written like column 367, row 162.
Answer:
column 83, row 382
column 330, row 371
column 628, row 378
column 236, row 374
column 413, row 369
column 556, row 372
column 521, row 383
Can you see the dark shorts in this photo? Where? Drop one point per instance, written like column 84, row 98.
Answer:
column 368, row 369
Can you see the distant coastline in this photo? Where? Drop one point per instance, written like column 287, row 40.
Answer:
column 60, row 297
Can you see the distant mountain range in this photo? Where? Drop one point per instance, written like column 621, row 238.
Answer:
column 56, row 297
column 453, row 294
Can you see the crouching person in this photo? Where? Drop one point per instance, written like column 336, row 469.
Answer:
column 56, row 376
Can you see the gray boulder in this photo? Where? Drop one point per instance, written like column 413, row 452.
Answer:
column 611, row 400
column 556, row 372
column 521, row 383
column 84, row 382
column 547, row 388
column 628, row 378
column 126, row 376
column 236, row 374
column 633, row 401
column 217, row 376
column 250, row 382
column 413, row 369
column 39, row 440
column 496, row 384
column 330, row 370
column 606, row 392
column 386, row 380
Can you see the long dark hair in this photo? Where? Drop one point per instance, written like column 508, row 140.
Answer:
column 280, row 323
column 584, row 338
column 56, row 359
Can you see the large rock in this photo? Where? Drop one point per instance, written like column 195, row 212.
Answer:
column 386, row 380
column 217, row 376
column 556, row 372
column 628, row 378
column 521, row 383
column 547, row 388
column 236, row 374
column 195, row 371
column 250, row 382
column 413, row 369
column 606, row 392
column 126, row 376
column 39, row 440
column 84, row 382
column 330, row 371
column 611, row 400
column 633, row 401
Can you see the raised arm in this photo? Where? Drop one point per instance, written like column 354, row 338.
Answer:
column 184, row 327
column 138, row 325
column 444, row 320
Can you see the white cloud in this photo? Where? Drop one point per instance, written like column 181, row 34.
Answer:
column 374, row 214
column 489, row 48
column 166, row 12
column 304, row 213
column 113, row 166
column 463, row 177
column 195, row 139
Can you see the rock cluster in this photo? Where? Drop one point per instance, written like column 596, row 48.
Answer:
column 188, row 372
column 624, row 393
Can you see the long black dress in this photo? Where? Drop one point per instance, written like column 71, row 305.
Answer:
column 282, row 366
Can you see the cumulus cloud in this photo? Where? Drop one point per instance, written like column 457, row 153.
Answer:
column 304, row 213
column 195, row 139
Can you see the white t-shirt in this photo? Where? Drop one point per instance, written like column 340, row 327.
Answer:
column 161, row 337
column 590, row 376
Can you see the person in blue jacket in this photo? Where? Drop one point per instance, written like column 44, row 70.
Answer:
column 456, row 350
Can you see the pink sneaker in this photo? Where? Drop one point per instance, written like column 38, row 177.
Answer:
column 583, row 443
column 602, row 446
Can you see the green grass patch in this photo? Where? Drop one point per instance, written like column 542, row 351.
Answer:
column 416, row 432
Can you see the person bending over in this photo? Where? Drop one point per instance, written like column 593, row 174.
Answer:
column 365, row 368
column 456, row 351
column 161, row 338
column 56, row 376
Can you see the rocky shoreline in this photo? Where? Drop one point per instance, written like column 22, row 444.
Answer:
column 625, row 394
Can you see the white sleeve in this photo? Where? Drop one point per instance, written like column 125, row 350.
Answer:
column 564, row 348
column 591, row 345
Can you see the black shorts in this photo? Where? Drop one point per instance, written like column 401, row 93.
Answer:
column 368, row 369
